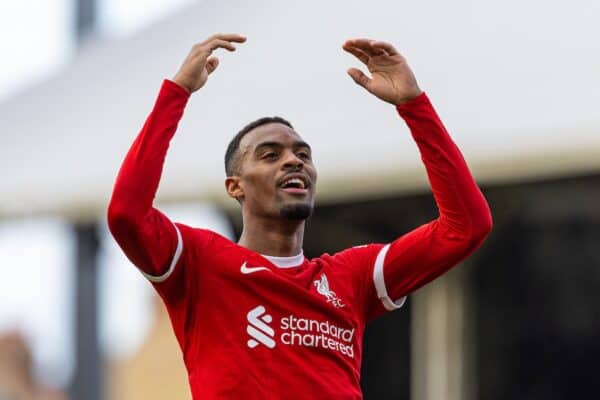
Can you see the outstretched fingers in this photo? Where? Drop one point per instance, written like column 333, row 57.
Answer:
column 225, row 37
column 387, row 47
column 371, row 47
column 359, row 77
column 364, row 45
column 231, row 37
column 194, row 71
column 358, row 53
column 220, row 40
column 220, row 44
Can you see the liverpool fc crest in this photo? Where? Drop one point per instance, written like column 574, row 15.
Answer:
column 322, row 286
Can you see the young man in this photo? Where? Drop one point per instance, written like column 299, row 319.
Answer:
column 255, row 319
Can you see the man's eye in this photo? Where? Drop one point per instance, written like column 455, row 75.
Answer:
column 304, row 155
column 269, row 155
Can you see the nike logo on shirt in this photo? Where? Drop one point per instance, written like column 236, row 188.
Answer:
column 249, row 270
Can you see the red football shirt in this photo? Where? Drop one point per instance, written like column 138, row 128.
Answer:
column 249, row 329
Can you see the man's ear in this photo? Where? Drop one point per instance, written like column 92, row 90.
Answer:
column 233, row 187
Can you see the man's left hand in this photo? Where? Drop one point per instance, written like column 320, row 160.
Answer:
column 391, row 78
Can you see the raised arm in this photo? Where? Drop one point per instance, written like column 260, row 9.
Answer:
column 148, row 238
column 464, row 216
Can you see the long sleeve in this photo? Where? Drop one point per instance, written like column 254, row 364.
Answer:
column 464, row 221
column 148, row 238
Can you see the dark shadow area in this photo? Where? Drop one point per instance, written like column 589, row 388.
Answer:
column 538, row 294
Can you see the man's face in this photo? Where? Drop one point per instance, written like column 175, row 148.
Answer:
column 276, row 176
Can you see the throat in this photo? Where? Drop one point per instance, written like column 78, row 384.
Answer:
column 274, row 237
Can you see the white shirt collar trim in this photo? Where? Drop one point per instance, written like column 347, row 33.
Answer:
column 286, row 262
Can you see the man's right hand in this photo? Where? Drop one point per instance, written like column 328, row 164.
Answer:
column 194, row 71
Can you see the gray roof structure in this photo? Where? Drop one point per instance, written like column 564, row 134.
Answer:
column 516, row 83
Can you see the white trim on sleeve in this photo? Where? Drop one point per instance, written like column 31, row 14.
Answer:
column 379, row 281
column 178, row 251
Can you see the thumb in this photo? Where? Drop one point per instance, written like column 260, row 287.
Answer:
column 359, row 77
column 211, row 64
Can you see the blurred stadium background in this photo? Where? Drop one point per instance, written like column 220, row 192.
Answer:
column 517, row 84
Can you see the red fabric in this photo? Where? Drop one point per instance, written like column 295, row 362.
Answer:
column 215, row 307
column 464, row 221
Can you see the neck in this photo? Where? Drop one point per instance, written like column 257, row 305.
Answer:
column 273, row 237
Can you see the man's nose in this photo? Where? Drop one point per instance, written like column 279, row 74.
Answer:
column 292, row 161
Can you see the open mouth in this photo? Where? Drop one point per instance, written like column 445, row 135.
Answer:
column 295, row 184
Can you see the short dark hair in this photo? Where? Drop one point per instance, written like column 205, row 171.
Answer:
column 234, row 145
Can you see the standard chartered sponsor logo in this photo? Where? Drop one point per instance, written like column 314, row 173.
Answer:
column 295, row 331
column 314, row 333
column 258, row 329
